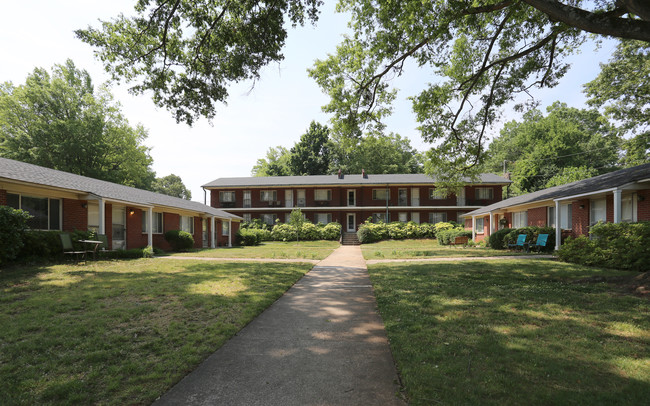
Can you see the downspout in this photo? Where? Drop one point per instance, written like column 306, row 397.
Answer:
column 205, row 196
column 212, row 233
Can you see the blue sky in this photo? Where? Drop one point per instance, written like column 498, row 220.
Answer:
column 278, row 109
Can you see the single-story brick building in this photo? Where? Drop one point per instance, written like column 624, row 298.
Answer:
column 620, row 196
column 129, row 217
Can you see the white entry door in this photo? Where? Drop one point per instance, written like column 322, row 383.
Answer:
column 119, row 227
column 288, row 198
column 351, row 223
column 415, row 196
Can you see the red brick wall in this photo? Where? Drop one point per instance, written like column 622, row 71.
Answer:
column 108, row 209
column 3, row 197
column 537, row 217
column 75, row 217
column 198, row 232
column 134, row 236
column 643, row 206
column 580, row 217
column 610, row 208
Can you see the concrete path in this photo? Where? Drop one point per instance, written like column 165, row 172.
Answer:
column 321, row 343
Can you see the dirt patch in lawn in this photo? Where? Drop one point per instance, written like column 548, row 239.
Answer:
column 636, row 283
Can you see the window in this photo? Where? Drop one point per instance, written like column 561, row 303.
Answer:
column 268, row 219
column 187, row 224
column 484, row 193
column 415, row 217
column 93, row 217
column 247, row 217
column 323, row 218
column 598, row 208
column 268, row 195
column 550, row 216
column 435, row 194
column 566, row 213
column 479, row 226
column 225, row 228
column 157, row 222
column 322, row 194
column 379, row 217
column 46, row 212
column 629, row 208
column 437, row 217
column 520, row 219
column 247, row 199
column 301, row 201
column 380, row 194
column 402, row 217
column 227, row 197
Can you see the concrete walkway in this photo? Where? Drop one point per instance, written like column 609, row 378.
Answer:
column 321, row 343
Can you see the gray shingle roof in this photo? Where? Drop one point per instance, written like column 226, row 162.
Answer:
column 20, row 171
column 355, row 179
column 601, row 182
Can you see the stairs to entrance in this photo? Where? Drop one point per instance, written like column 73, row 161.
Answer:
column 350, row 239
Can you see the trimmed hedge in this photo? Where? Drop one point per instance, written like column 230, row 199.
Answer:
column 496, row 240
column 446, row 237
column 179, row 240
column 372, row 232
column 619, row 246
column 250, row 234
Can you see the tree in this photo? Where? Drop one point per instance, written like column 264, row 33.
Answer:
column 276, row 163
column 623, row 89
column 297, row 219
column 377, row 153
column 59, row 121
column 311, row 155
column 171, row 185
column 566, row 144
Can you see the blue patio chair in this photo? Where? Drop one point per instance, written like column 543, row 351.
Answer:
column 542, row 239
column 520, row 244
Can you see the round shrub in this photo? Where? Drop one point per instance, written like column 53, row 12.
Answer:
column 248, row 237
column 331, row 231
column 179, row 240
column 13, row 225
column 446, row 237
column 496, row 240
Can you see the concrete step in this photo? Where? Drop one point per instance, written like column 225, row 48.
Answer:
column 350, row 239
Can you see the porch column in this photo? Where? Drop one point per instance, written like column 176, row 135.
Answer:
column 473, row 228
column 558, row 228
column 617, row 206
column 212, row 233
column 491, row 227
column 102, row 216
column 229, row 233
column 150, row 226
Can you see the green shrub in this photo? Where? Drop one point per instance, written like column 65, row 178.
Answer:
column 620, row 246
column 41, row 244
column 446, row 237
column 284, row 232
column 179, row 240
column 372, row 232
column 331, row 231
column 443, row 226
column 13, row 225
column 496, row 240
column 147, row 252
column 248, row 237
column 396, row 230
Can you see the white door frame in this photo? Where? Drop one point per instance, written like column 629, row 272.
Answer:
column 354, row 222
column 347, row 196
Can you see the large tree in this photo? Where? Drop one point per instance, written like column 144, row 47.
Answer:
column 311, row 155
column 61, row 121
column 171, row 185
column 485, row 52
column 565, row 145
column 375, row 153
column 623, row 89
column 276, row 163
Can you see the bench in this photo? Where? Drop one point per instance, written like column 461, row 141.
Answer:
column 460, row 241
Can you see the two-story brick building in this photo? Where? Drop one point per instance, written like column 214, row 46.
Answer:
column 351, row 199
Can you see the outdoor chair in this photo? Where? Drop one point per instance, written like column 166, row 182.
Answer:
column 68, row 248
column 104, row 239
column 520, row 244
column 542, row 239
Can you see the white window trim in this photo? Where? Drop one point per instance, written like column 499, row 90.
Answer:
column 271, row 193
column 481, row 221
column 162, row 224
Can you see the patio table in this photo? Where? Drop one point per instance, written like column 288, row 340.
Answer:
column 93, row 245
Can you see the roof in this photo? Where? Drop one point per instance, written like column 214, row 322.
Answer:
column 354, row 179
column 23, row 172
column 602, row 182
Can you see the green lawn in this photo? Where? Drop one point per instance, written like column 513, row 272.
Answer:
column 514, row 332
column 123, row 332
column 414, row 249
column 315, row 250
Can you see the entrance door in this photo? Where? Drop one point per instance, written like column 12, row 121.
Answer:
column 460, row 197
column 288, row 198
column 352, row 223
column 206, row 234
column 119, row 227
column 415, row 196
column 352, row 197
column 302, row 202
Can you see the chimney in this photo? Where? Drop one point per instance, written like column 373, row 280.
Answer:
column 507, row 175
column 363, row 174
column 340, row 174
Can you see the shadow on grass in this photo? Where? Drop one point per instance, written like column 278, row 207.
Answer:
column 513, row 332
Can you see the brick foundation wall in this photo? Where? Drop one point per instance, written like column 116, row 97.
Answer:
column 75, row 216
column 537, row 217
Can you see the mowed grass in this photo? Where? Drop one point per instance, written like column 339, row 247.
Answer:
column 514, row 332
column 123, row 332
column 426, row 248
column 312, row 250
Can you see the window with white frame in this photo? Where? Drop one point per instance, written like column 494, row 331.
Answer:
column 227, row 197
column 520, row 219
column 480, row 226
column 437, row 194
column 598, row 211
column 323, row 218
column 46, row 212
column 187, row 224
column 322, row 195
column 247, row 217
column 566, row 214
column 157, row 222
column 379, row 217
column 437, row 217
column 402, row 217
column 550, row 216
column 268, row 219
column 484, row 193
column 415, row 217
column 225, row 228
column 268, row 195
column 380, row 194
column 247, row 199
column 93, row 217
column 629, row 208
